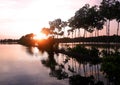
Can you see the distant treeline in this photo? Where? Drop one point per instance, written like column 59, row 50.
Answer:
column 99, row 39
column 9, row 41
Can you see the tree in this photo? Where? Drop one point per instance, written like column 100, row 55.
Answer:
column 71, row 22
column 82, row 15
column 79, row 19
column 87, row 18
column 57, row 25
column 110, row 66
column 46, row 31
column 107, row 11
column 117, row 12
column 95, row 20
column 27, row 40
column 63, row 25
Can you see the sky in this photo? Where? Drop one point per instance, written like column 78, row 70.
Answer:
column 19, row 17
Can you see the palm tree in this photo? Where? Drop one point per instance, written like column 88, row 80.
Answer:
column 79, row 33
column 80, row 19
column 87, row 18
column 82, row 15
column 94, row 20
column 107, row 11
column 117, row 12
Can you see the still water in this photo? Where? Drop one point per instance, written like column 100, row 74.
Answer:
column 20, row 65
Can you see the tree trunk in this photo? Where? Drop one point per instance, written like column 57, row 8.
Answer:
column 118, row 29
column 98, row 72
column 108, row 27
column 72, row 34
column 84, row 70
column 78, row 32
column 75, row 33
column 84, row 33
column 97, row 33
column 64, row 32
column 92, row 69
column 72, row 38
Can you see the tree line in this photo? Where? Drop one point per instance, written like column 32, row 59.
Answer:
column 89, row 18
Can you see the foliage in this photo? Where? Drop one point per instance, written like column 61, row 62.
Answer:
column 87, row 18
column 110, row 66
column 80, row 49
column 27, row 40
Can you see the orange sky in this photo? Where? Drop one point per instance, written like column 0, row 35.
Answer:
column 19, row 17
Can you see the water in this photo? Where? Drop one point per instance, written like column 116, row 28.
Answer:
column 20, row 65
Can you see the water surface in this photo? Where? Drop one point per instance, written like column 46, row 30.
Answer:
column 21, row 65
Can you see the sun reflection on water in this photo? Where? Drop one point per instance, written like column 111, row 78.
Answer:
column 42, row 55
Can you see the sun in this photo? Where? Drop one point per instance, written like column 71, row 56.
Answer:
column 39, row 36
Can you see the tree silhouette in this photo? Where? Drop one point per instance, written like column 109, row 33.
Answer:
column 72, row 23
column 95, row 20
column 81, row 18
column 63, row 25
column 57, row 25
column 110, row 66
column 117, row 12
column 87, row 18
column 56, row 70
column 46, row 31
column 107, row 11
column 27, row 40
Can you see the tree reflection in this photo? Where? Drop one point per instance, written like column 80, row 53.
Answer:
column 34, row 51
column 79, row 71
column 77, row 80
column 30, row 51
column 56, row 70
column 80, row 80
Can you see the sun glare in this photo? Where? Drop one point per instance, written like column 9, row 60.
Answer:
column 39, row 36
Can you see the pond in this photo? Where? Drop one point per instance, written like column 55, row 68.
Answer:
column 20, row 65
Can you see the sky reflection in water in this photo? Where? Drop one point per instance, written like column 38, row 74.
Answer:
column 19, row 67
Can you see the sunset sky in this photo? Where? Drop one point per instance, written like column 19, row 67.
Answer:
column 19, row 17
